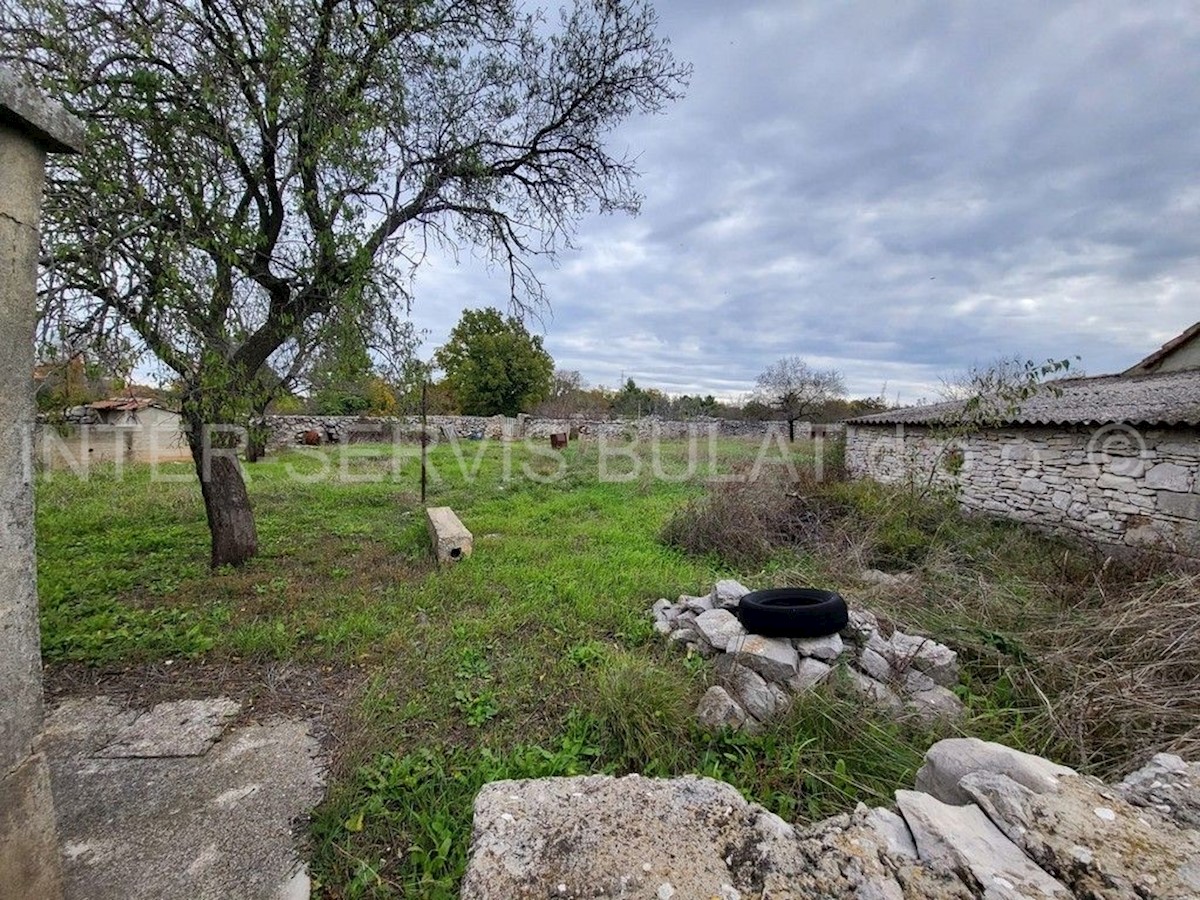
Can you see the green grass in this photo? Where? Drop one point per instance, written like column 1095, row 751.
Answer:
column 533, row 657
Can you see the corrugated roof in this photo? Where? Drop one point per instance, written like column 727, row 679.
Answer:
column 1171, row 398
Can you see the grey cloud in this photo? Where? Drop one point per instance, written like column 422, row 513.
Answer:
column 898, row 190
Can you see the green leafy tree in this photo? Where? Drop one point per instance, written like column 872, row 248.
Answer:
column 494, row 365
column 256, row 170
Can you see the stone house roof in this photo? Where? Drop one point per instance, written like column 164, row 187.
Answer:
column 1162, row 358
column 1170, row 398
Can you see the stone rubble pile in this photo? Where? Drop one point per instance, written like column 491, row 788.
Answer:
column 985, row 821
column 759, row 675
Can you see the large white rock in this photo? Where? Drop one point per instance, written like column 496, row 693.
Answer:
column 827, row 648
column 598, row 836
column 948, row 762
column 962, row 840
column 1091, row 838
column 719, row 627
column 773, row 658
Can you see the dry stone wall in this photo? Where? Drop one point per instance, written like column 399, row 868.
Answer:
column 1114, row 485
column 285, row 430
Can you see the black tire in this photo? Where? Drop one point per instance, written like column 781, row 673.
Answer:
column 793, row 612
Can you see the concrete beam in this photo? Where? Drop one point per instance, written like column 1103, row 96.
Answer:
column 43, row 122
column 451, row 540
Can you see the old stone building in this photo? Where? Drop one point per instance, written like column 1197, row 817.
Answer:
column 1115, row 459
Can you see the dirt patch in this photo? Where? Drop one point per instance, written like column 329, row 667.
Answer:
column 324, row 694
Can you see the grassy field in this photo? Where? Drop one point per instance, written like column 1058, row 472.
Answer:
column 535, row 656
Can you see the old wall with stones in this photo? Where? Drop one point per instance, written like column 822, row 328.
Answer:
column 1115, row 485
column 286, row 430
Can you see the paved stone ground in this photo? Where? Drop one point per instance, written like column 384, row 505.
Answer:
column 173, row 802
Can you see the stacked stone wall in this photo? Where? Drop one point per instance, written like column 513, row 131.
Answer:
column 1113, row 485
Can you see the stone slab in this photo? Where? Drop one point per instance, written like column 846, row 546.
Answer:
column 44, row 122
column 181, row 728
column 220, row 824
column 963, row 841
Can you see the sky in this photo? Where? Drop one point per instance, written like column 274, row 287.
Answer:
column 896, row 190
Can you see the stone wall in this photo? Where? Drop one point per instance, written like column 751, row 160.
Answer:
column 286, row 430
column 1114, row 485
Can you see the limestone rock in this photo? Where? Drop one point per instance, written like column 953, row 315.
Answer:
column 961, row 840
column 861, row 626
column 937, row 703
column 948, row 762
column 894, row 831
column 719, row 627
column 1166, row 784
column 810, row 673
column 885, row 579
column 696, row 605
column 623, row 837
column 750, row 690
column 936, row 660
column 1091, row 839
column 876, row 665
column 719, row 710
column 727, row 594
column 773, row 658
column 874, row 691
column 827, row 648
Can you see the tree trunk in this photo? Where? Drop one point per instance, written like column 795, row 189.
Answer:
column 227, row 505
column 791, row 431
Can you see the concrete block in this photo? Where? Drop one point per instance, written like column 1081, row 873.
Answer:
column 29, row 856
column 451, row 540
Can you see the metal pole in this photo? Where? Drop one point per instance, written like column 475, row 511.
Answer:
column 424, row 436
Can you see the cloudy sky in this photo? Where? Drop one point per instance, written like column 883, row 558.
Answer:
column 898, row 190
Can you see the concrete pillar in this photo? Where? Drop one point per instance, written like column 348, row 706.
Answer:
column 30, row 128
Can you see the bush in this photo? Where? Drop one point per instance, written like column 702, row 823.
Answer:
column 745, row 522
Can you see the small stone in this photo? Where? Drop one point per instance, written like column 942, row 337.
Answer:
column 727, row 593
column 773, row 658
column 826, row 648
column 936, row 660
column 810, row 673
column 719, row 710
column 719, row 627
column 938, row 703
column 875, row 665
column 697, row 605
column 665, row 891
column 751, row 691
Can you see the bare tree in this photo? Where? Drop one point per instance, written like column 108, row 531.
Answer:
column 796, row 389
column 255, row 171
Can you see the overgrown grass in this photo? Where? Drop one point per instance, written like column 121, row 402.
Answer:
column 536, row 657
